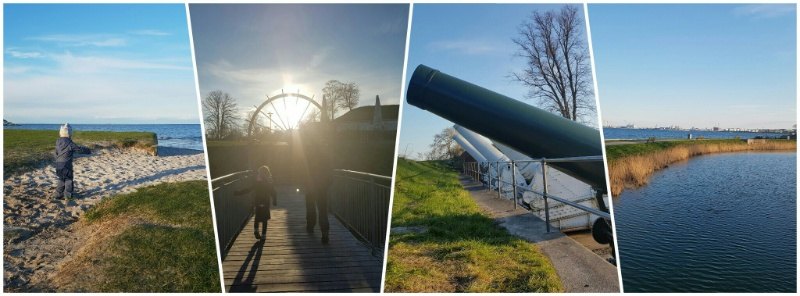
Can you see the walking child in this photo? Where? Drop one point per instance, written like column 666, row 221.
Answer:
column 263, row 191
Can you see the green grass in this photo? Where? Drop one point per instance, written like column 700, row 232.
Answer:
column 169, row 245
column 462, row 249
column 25, row 149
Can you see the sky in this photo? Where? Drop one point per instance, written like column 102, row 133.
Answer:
column 251, row 51
column 472, row 42
column 98, row 64
column 696, row 65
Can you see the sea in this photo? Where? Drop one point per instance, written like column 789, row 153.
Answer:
column 186, row 136
column 638, row 134
column 715, row 223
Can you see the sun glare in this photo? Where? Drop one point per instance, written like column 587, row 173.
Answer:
column 288, row 111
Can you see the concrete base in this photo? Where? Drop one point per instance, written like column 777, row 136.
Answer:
column 579, row 268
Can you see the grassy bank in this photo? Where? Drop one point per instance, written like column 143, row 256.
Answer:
column 158, row 239
column 24, row 149
column 630, row 165
column 454, row 247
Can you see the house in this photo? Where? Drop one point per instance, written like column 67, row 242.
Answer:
column 375, row 118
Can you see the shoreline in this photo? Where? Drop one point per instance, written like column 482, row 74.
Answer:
column 631, row 165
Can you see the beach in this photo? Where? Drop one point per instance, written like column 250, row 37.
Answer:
column 39, row 231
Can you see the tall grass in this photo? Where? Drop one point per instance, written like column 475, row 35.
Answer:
column 630, row 166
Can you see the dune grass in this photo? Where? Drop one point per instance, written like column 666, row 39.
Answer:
column 25, row 149
column 158, row 239
column 454, row 247
column 630, row 165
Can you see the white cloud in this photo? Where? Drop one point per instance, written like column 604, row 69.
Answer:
column 150, row 33
column 469, row 47
column 97, row 40
column 20, row 54
column 760, row 11
column 79, row 64
column 98, row 97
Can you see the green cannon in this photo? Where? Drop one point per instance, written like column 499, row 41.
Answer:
column 530, row 130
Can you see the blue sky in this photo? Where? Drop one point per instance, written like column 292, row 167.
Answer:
column 470, row 41
column 98, row 64
column 696, row 65
column 251, row 51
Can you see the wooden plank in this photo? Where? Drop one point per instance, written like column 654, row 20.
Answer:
column 300, row 268
column 260, row 279
column 304, row 287
column 308, row 271
column 343, row 253
column 292, row 260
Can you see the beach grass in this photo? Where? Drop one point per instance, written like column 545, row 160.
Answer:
column 26, row 149
column 157, row 239
column 453, row 246
column 630, row 165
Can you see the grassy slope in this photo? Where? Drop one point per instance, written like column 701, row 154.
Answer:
column 630, row 165
column 462, row 249
column 167, row 244
column 27, row 148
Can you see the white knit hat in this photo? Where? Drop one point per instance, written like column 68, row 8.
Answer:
column 65, row 131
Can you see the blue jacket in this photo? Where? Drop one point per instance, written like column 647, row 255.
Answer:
column 65, row 148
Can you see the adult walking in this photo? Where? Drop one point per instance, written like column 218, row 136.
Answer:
column 319, row 160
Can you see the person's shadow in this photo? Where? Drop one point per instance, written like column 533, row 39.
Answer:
column 243, row 282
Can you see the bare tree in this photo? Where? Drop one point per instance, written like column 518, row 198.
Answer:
column 332, row 98
column 557, row 70
column 340, row 96
column 221, row 114
column 350, row 95
column 443, row 146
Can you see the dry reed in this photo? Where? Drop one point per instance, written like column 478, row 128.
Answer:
column 634, row 170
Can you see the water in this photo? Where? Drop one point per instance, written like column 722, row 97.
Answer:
column 715, row 223
column 630, row 133
column 187, row 136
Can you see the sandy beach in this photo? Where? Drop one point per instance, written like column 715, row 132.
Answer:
column 39, row 232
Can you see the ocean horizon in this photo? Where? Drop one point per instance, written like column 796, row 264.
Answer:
column 175, row 135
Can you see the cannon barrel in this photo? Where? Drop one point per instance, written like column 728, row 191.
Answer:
column 527, row 129
column 469, row 148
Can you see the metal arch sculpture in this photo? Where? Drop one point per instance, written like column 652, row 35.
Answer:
column 269, row 100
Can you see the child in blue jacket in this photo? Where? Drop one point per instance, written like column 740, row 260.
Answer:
column 65, row 149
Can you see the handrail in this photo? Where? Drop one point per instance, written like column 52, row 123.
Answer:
column 473, row 170
column 365, row 174
column 362, row 205
column 232, row 211
column 229, row 176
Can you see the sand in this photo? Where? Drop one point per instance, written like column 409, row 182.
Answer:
column 39, row 231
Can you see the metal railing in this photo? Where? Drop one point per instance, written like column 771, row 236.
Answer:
column 476, row 171
column 232, row 211
column 361, row 202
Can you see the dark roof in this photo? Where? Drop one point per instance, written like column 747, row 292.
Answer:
column 364, row 114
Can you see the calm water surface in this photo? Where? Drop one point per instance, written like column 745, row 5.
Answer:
column 723, row 222
column 187, row 136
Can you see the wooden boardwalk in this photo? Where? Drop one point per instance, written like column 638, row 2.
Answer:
column 292, row 260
